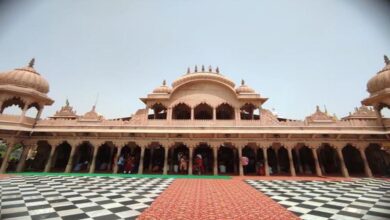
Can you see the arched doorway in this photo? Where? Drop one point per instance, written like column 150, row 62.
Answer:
column 329, row 160
column 227, row 160
column 207, row 159
column 7, row 107
column 203, row 111
column 61, row 157
column 178, row 159
column 181, row 112
column 353, row 160
column 283, row 161
column 41, row 157
column 225, row 112
column 104, row 158
column 154, row 159
column 250, row 153
column 159, row 111
column 378, row 160
column 305, row 161
column 272, row 161
column 83, row 157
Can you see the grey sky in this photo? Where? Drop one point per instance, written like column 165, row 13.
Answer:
column 299, row 54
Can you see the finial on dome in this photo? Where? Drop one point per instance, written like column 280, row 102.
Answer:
column 196, row 68
column 318, row 108
column 31, row 63
column 242, row 82
column 164, row 82
column 67, row 103
column 202, row 68
column 210, row 69
column 387, row 61
column 217, row 70
column 188, row 70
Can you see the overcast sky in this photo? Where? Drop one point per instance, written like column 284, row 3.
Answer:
column 299, row 54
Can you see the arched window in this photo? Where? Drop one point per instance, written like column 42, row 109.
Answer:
column 159, row 111
column 181, row 112
column 7, row 105
column 203, row 111
column 225, row 112
column 32, row 110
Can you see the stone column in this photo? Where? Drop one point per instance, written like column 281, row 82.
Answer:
column 49, row 161
column 4, row 164
column 344, row 169
column 165, row 169
column 191, row 149
column 23, row 157
column 265, row 161
column 169, row 113
column 68, row 168
column 147, row 113
column 39, row 114
column 214, row 113
column 151, row 159
column 299, row 162
column 240, row 167
column 141, row 160
column 291, row 161
column 367, row 169
column 317, row 164
column 93, row 163
column 192, row 114
column 215, row 152
column 277, row 160
column 237, row 114
column 118, row 153
column 23, row 115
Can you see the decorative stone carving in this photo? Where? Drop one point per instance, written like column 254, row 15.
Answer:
column 91, row 116
column 362, row 113
column 66, row 112
column 320, row 116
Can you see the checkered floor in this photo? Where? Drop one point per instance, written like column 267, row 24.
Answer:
column 66, row 197
column 358, row 199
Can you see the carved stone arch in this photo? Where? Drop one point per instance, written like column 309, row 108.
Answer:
column 181, row 111
column 203, row 111
column 159, row 111
column 225, row 111
column 13, row 100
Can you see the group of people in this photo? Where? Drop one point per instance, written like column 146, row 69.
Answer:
column 126, row 163
column 199, row 167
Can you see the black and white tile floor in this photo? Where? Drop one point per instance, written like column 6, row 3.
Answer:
column 349, row 200
column 66, row 197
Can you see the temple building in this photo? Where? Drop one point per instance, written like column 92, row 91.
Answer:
column 203, row 114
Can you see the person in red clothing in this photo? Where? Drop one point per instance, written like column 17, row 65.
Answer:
column 128, row 165
column 199, row 164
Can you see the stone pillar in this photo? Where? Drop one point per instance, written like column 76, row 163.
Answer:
column 237, row 114
column 93, row 163
column 367, row 169
column 147, row 113
column 317, row 164
column 215, row 152
column 277, row 160
column 291, row 161
column 240, row 166
column 23, row 157
column 49, row 161
column 68, row 168
column 299, row 162
column 39, row 114
column 214, row 113
column 192, row 114
column 165, row 169
column 118, row 153
column 4, row 164
column 23, row 115
column 191, row 149
column 169, row 113
column 344, row 169
column 266, row 167
column 141, row 160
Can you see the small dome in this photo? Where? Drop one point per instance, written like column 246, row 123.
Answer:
column 163, row 88
column 26, row 77
column 382, row 79
column 244, row 88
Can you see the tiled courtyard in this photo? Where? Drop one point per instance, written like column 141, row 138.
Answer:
column 83, row 197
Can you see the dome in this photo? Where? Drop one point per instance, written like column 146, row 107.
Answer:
column 203, row 75
column 244, row 88
column 382, row 79
column 163, row 88
column 26, row 77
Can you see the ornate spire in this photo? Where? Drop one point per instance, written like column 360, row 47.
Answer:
column 67, row 103
column 387, row 61
column 164, row 82
column 196, row 68
column 202, row 68
column 31, row 64
column 210, row 69
column 242, row 82
column 217, row 70
column 188, row 70
column 318, row 108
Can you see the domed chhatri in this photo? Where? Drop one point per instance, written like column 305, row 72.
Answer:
column 244, row 89
column 25, row 77
column 163, row 89
column 381, row 80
